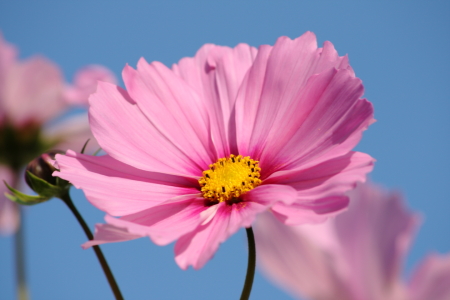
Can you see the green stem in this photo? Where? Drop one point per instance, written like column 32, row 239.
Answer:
column 19, row 245
column 19, row 249
column 101, row 258
column 251, row 265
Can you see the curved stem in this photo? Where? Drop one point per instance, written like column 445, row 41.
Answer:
column 101, row 258
column 251, row 265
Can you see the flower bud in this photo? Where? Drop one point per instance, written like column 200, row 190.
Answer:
column 43, row 168
column 39, row 177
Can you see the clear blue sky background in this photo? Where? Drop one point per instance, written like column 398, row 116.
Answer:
column 400, row 49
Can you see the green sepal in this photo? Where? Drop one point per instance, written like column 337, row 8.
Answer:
column 45, row 189
column 96, row 152
column 64, row 184
column 84, row 146
column 23, row 199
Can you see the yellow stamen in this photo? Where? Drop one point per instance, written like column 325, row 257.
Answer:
column 229, row 178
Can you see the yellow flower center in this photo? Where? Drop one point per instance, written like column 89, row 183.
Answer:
column 229, row 178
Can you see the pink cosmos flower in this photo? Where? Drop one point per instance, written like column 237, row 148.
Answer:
column 357, row 255
column 32, row 94
column 197, row 151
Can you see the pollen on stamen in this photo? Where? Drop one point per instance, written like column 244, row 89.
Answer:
column 229, row 178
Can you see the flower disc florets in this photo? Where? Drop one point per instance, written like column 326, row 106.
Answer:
column 229, row 178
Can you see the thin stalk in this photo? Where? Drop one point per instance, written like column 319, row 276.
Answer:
column 19, row 245
column 101, row 258
column 19, row 250
column 251, row 265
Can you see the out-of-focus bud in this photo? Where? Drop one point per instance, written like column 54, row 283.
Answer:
column 39, row 177
column 42, row 167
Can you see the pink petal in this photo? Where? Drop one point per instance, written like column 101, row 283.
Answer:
column 117, row 188
column 33, row 91
column 310, row 212
column 85, row 83
column 361, row 108
column 333, row 177
column 248, row 102
column 375, row 234
column 165, row 223
column 9, row 216
column 197, row 247
column 173, row 108
column 295, row 262
column 216, row 74
column 320, row 188
column 125, row 133
column 106, row 233
column 327, row 114
column 312, row 114
column 268, row 194
column 339, row 139
column 281, row 71
column 431, row 279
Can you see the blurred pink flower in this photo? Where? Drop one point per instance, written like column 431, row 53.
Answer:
column 85, row 83
column 8, row 210
column 356, row 256
column 197, row 151
column 33, row 95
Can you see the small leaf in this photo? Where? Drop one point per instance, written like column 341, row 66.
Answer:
column 22, row 198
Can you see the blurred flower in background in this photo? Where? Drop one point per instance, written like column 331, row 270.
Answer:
column 34, row 106
column 85, row 83
column 358, row 255
column 8, row 209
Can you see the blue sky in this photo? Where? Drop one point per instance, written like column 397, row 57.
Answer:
column 400, row 49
